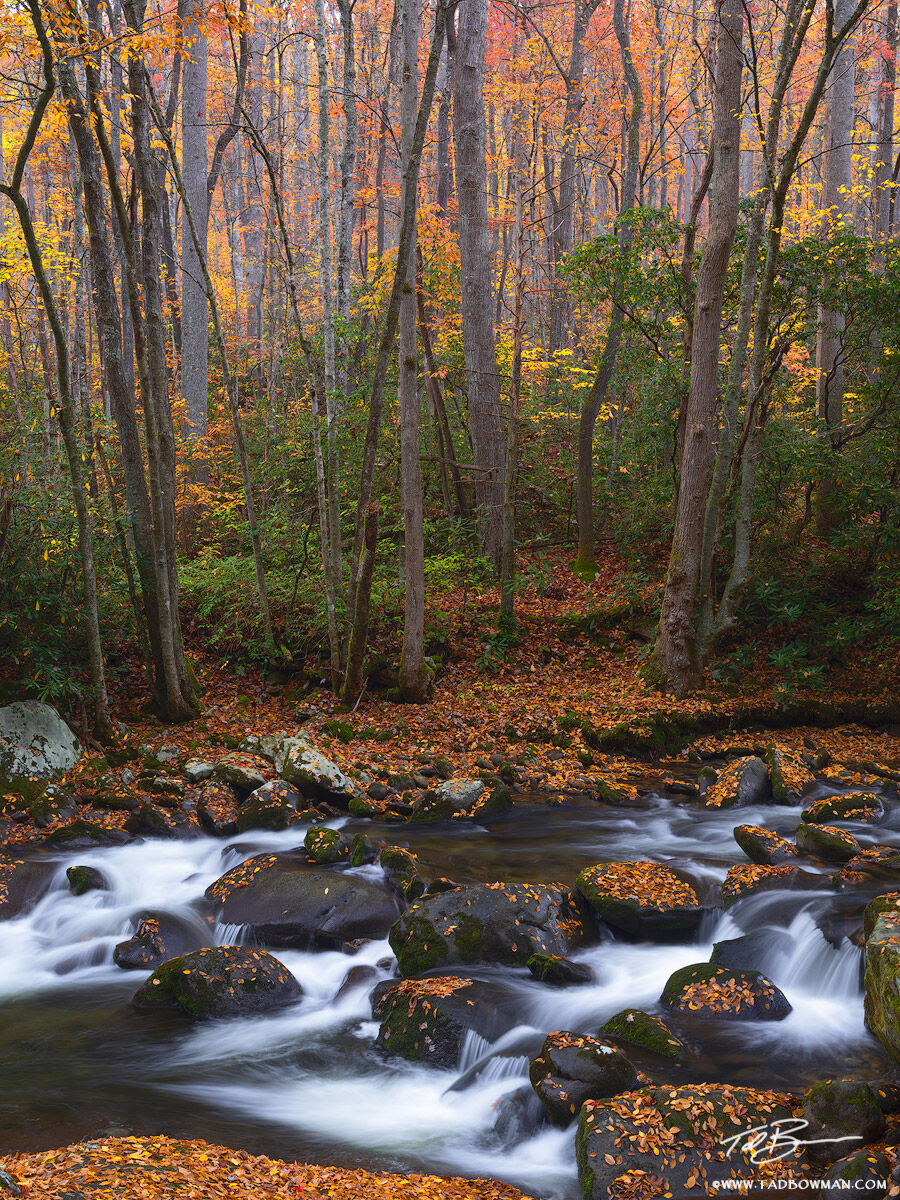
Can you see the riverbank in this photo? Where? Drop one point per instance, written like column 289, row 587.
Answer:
column 113, row 1168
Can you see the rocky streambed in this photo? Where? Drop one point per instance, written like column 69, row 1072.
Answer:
column 531, row 992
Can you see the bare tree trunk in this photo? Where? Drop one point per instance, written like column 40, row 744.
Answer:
column 194, row 307
column 415, row 677
column 884, row 149
column 482, row 379
column 675, row 662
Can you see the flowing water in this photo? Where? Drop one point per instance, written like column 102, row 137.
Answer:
column 308, row 1082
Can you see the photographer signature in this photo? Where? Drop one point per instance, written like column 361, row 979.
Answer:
column 773, row 1142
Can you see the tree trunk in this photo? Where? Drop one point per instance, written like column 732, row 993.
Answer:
column 194, row 306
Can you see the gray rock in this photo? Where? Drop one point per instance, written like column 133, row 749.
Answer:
column 36, row 745
column 316, row 776
column 241, row 775
column 462, row 793
column 197, row 770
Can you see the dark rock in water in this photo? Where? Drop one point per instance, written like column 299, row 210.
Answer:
column 852, row 806
column 433, row 807
column 286, row 902
column 520, row 1115
column 152, row 821
column 842, row 1115
column 826, row 842
column 888, row 1097
column 639, row 1029
column 867, row 1172
column 876, row 869
column 357, row 977
column 378, row 996
column 571, row 1069
column 273, row 806
column 325, row 846
column 82, row 835
column 492, row 804
column 710, row 991
column 219, row 981
column 662, row 1134
column 158, row 937
column 743, row 782
column 882, row 978
column 752, row 951
column 763, row 845
column 643, row 899
column 487, row 923
column 748, row 880
column 426, row 1020
column 217, row 808
column 789, row 775
column 22, row 884
column 86, row 879
column 560, row 972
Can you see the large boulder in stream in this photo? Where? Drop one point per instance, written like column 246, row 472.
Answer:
column 285, row 902
column 272, row 806
column 764, row 845
column 865, row 807
column 643, row 1032
column 487, row 923
column 219, row 981
column 643, row 899
column 669, row 1140
column 707, row 990
column 842, row 1115
column 882, row 977
column 426, row 1020
column 826, row 842
column 316, row 776
column 217, row 808
column 22, row 884
column 743, row 881
column 743, row 782
column 36, row 746
column 571, row 1069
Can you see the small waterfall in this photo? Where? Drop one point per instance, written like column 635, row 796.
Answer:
column 474, row 1049
column 232, row 935
column 814, row 965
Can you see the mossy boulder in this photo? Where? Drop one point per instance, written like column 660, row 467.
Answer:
column 22, row 884
column 882, row 981
column 218, row 807
column 487, row 923
column 432, row 807
column 273, row 806
column 219, row 981
column 707, row 990
column 643, row 899
column 36, row 746
column 245, row 772
column 159, row 936
column 866, row 807
column 743, row 782
column 572, row 1068
column 826, row 842
column 789, row 775
column 463, row 794
column 325, row 846
column 764, row 845
column 742, row 881
column 83, row 835
column 317, row 777
column 669, row 1140
column 53, row 804
column 286, row 902
column 558, row 971
column 886, row 905
column 426, row 1020
column 865, row 1170
column 842, row 1115
column 492, row 804
column 639, row 1029
column 149, row 820
column 86, row 879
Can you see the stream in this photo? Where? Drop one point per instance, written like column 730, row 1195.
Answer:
column 309, row 1082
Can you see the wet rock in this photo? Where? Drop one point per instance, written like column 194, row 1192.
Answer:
column 149, row 820
column 82, row 835
column 886, row 905
column 86, row 879
column 487, row 923
column 219, row 981
column 426, row 1020
column 882, row 981
column 842, row 1115
column 116, row 797
column 660, row 1136
column 764, row 845
column 159, row 936
column 743, row 782
column 751, row 952
column 827, row 842
column 852, row 806
column 560, row 972
column 325, row 846
column 708, row 990
column 789, row 775
column 639, row 1029
column 359, row 806
column 244, row 772
column 36, row 746
column 273, row 806
column 53, row 804
column 876, row 868
column 571, row 1069
column 22, row 884
column 748, row 880
column 218, row 808
column 492, row 804
column 866, row 1171
column 357, row 977
column 433, row 807
column 520, row 1115
column 643, row 899
column 316, row 776
column 285, row 902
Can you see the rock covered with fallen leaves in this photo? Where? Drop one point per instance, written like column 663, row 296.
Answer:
column 219, row 981
column 709, row 990
column 764, row 845
column 866, row 807
column 286, row 902
column 572, row 1068
column 426, row 1020
column 668, row 1140
column 487, row 923
column 643, row 899
column 826, row 842
column 743, row 782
